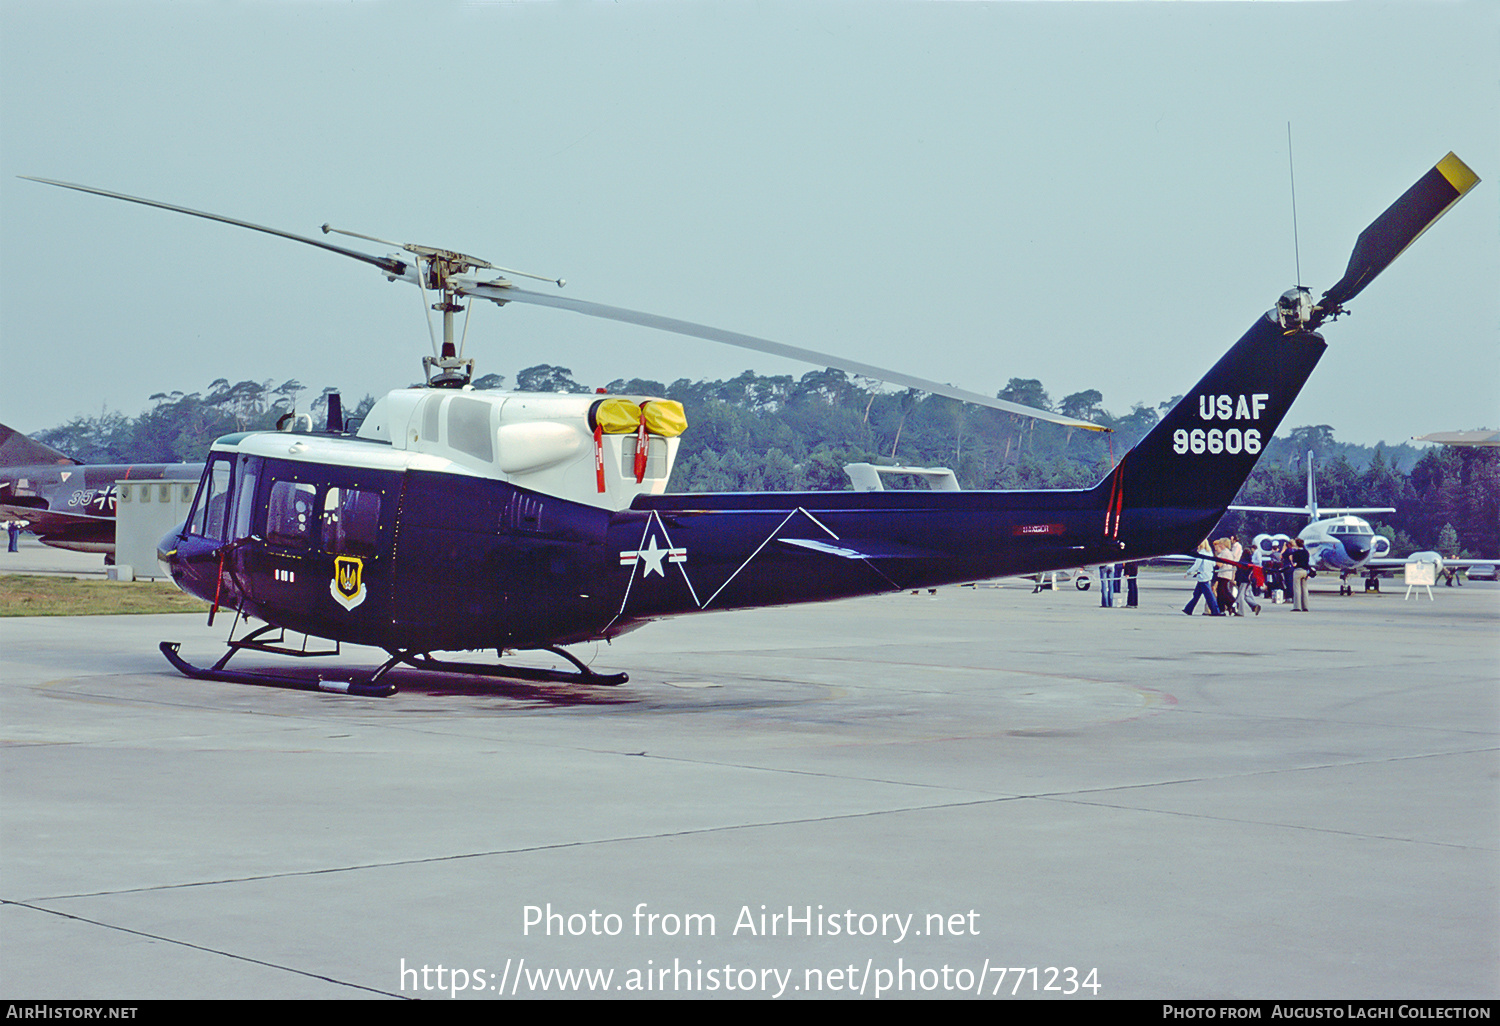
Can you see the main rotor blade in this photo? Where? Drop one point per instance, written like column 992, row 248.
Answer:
column 390, row 266
column 1390, row 233
column 505, row 294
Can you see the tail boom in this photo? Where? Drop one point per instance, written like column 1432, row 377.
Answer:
column 740, row 550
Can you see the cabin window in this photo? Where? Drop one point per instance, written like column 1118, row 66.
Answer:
column 289, row 514
column 351, row 521
column 431, row 407
column 469, row 427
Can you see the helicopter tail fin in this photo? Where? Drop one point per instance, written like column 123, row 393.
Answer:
column 1202, row 451
column 17, row 450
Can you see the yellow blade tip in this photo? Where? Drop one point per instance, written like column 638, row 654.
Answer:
column 1459, row 175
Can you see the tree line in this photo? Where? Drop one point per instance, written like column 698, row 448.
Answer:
column 780, row 433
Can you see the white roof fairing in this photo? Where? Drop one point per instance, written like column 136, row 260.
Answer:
column 535, row 440
column 345, row 452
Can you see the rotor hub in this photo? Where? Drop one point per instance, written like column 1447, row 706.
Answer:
column 1294, row 309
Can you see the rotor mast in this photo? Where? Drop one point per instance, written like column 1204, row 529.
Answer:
column 448, row 367
column 440, row 272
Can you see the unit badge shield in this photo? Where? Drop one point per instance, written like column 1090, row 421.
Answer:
column 348, row 584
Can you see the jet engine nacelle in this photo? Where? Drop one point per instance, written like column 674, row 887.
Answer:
column 1269, row 543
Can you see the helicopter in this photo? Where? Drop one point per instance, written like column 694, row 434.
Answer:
column 451, row 519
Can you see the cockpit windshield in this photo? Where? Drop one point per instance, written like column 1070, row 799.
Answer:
column 222, row 511
column 207, row 518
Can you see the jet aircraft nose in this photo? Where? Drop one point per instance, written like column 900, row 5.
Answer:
column 1357, row 548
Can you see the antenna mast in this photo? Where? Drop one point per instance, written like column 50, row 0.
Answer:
column 1292, row 171
column 1295, row 307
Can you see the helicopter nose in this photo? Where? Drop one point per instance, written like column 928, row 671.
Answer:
column 166, row 552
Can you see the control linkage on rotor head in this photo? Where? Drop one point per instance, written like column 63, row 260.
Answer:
column 447, row 367
column 1295, row 308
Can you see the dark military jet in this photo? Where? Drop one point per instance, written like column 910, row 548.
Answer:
column 68, row 504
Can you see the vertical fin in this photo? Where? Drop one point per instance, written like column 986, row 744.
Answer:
column 1205, row 447
column 17, row 450
column 1312, row 488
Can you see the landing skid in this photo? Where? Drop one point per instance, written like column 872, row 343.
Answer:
column 369, row 688
column 372, row 686
column 584, row 675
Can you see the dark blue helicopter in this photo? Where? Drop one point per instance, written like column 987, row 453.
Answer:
column 451, row 519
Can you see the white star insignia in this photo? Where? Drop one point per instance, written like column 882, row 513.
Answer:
column 652, row 556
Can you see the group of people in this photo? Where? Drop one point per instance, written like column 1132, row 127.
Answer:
column 1230, row 583
column 1110, row 575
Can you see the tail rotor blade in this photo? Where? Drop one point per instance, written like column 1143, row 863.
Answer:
column 1390, row 233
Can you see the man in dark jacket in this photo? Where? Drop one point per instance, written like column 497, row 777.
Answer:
column 1301, row 571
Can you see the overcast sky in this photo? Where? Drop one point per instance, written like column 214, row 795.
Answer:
column 1095, row 195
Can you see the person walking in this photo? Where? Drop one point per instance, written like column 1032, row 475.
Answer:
column 1224, row 576
column 1258, row 560
column 1244, row 577
column 1236, row 553
column 1271, row 567
column 15, row 534
column 1301, row 571
column 1202, row 571
column 1280, row 570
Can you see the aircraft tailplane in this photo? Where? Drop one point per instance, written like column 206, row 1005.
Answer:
column 17, row 450
column 1312, row 511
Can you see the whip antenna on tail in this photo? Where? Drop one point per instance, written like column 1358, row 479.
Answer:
column 1292, row 171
